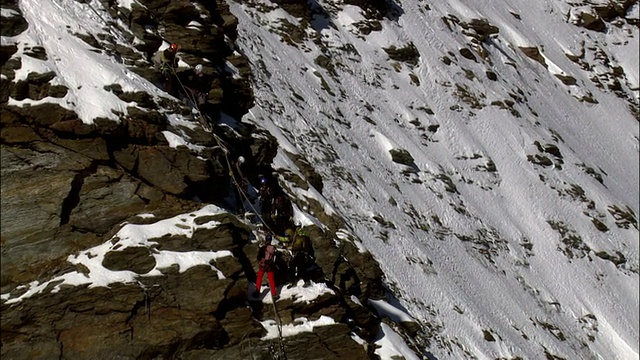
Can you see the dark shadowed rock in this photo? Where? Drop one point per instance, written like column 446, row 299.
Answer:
column 136, row 259
column 325, row 342
column 35, row 86
column 240, row 325
column 41, row 348
column 566, row 79
column 401, row 156
column 312, row 177
column 44, row 114
column 226, row 233
column 591, row 21
column 368, row 323
column 18, row 134
column 467, row 54
column 408, row 54
column 482, row 28
column 35, row 183
column 23, row 259
column 534, row 53
column 140, row 21
column 158, row 169
column 13, row 24
column 73, row 126
column 264, row 148
column 199, row 289
column 374, row 9
column 231, row 267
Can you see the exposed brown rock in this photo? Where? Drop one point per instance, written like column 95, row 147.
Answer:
column 468, row 54
column 136, row 259
column 408, row 54
column 534, row 53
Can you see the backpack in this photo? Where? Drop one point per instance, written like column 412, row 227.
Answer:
column 302, row 242
column 269, row 256
column 299, row 242
column 266, row 259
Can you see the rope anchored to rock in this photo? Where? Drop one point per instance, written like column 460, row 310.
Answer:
column 241, row 192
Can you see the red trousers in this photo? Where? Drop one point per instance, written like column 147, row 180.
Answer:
column 272, row 281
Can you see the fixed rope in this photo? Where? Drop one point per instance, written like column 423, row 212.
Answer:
column 283, row 355
column 242, row 194
column 226, row 152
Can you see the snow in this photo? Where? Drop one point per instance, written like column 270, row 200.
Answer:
column 302, row 294
column 175, row 141
column 127, row 4
column 146, row 216
column 82, row 70
column 131, row 235
column 454, row 257
column 8, row 13
column 298, row 292
column 390, row 311
column 391, row 345
column 299, row 325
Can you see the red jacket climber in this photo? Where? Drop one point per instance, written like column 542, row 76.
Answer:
column 266, row 263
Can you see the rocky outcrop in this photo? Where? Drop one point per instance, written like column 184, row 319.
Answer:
column 11, row 25
column 195, row 313
column 597, row 17
column 408, row 54
column 534, row 53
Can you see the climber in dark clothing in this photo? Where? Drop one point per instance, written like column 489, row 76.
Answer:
column 198, row 85
column 265, row 195
column 281, row 211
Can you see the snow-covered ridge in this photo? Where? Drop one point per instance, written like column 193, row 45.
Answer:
column 78, row 66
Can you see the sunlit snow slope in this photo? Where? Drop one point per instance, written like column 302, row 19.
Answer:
column 505, row 233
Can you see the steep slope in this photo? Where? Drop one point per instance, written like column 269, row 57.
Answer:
column 486, row 154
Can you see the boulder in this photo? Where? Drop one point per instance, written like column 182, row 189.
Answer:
column 13, row 23
column 534, row 53
column 157, row 166
column 135, row 258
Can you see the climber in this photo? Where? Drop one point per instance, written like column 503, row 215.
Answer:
column 166, row 62
column 302, row 253
column 266, row 263
column 281, row 211
column 197, row 84
column 265, row 195
column 239, row 183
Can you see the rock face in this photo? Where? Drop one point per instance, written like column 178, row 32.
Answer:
column 191, row 314
column 65, row 183
column 68, row 186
